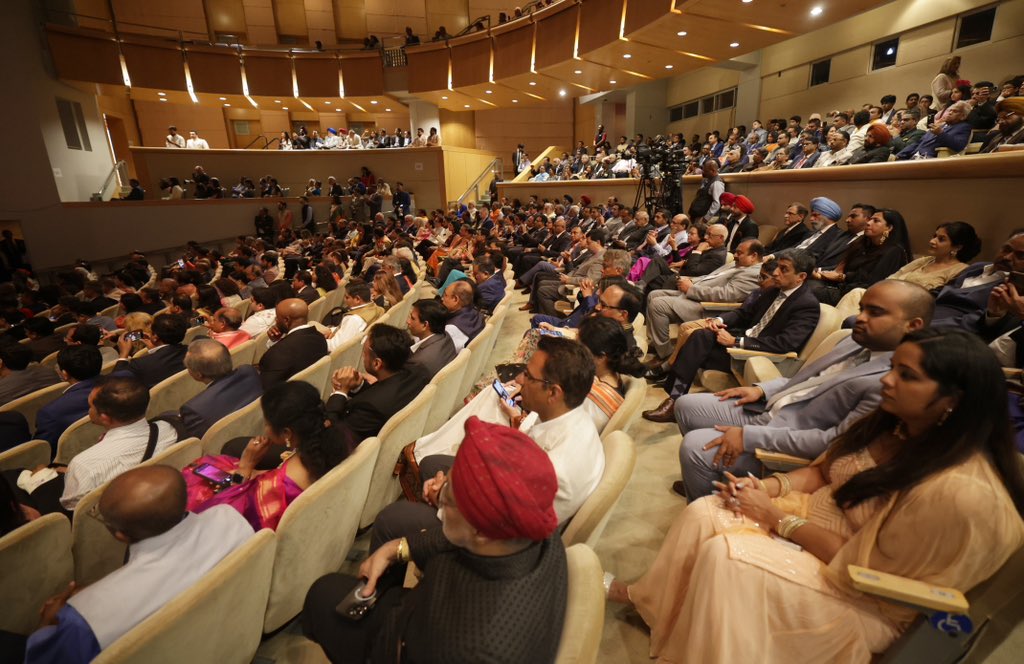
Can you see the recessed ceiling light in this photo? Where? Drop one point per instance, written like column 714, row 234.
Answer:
column 163, row 99
column 284, row 108
column 627, row 55
column 681, row 33
column 515, row 101
column 613, row 81
column 747, row 2
column 489, row 91
column 561, row 93
column 578, row 71
column 466, row 105
column 816, row 11
column 734, row 45
column 373, row 101
column 277, row 101
column 222, row 98
column 227, row 104
column 533, row 82
column 337, row 110
column 668, row 66
column 387, row 110
column 444, row 98
column 327, row 103
column 162, row 94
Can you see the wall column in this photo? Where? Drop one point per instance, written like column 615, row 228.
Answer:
column 646, row 111
column 423, row 114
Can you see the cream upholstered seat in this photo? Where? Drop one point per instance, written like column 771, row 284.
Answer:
column 77, row 438
column 36, row 559
column 32, row 454
column 170, row 394
column 243, row 353
column 482, row 346
column 584, row 609
column 246, row 421
column 110, row 311
column 96, row 552
column 216, row 620
column 592, row 517
column 404, row 427
column 760, row 369
column 260, row 340
column 306, row 548
column 448, row 381
column 194, row 333
column 335, row 297
column 243, row 307
column 636, row 390
column 30, row 404
column 317, row 309
column 317, row 374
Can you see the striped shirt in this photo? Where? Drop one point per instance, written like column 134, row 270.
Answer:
column 119, row 449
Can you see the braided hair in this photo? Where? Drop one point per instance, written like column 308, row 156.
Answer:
column 297, row 406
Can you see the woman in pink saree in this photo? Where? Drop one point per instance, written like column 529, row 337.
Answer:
column 295, row 418
column 928, row 487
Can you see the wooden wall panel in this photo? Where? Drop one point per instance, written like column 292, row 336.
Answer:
column 428, row 69
column 471, row 63
column 154, row 67
column 363, row 75
column 556, row 36
column 290, row 18
column 269, row 76
column 215, row 72
column 317, row 76
column 154, row 118
column 513, row 51
column 599, row 23
column 639, row 14
column 226, row 16
column 79, row 57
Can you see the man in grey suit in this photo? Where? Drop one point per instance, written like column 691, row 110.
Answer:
column 803, row 414
column 227, row 389
column 732, row 282
column 547, row 286
column 433, row 348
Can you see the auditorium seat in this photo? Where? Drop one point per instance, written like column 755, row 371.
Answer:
column 77, row 438
column 760, row 369
column 481, row 346
column 589, row 522
column 243, row 353
column 36, row 559
column 317, row 309
column 261, row 340
column 317, row 374
column 636, row 391
column 27, row 455
column 448, row 382
column 584, row 610
column 246, row 421
column 170, row 394
column 30, row 404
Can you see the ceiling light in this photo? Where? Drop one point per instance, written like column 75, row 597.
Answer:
column 327, row 103
column 227, row 104
column 489, row 91
column 444, row 98
column 890, row 52
column 515, row 101
column 337, row 110
column 284, row 108
column 222, row 98
column 162, row 94
column 578, row 71
column 681, row 33
column 387, row 110
column 734, row 45
column 163, row 99
column 561, row 93
column 613, row 81
column 668, row 66
column 533, row 82
column 277, row 101
column 373, row 101
column 465, row 105
column 747, row 2
column 816, row 11
column 627, row 55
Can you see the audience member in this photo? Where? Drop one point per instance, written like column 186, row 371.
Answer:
column 224, row 326
column 294, row 344
column 433, row 348
column 19, row 375
column 227, row 389
column 360, row 312
column 464, row 320
column 79, row 366
column 166, row 355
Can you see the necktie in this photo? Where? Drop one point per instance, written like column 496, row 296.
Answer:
column 768, row 315
column 793, row 392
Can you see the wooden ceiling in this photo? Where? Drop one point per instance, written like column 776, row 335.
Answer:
column 570, row 48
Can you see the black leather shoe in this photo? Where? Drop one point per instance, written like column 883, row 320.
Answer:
column 663, row 414
column 679, row 487
column 656, row 374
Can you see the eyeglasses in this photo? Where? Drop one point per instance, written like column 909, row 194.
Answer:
column 601, row 304
column 1006, row 116
column 532, row 378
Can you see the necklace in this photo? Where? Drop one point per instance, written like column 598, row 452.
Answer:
column 900, row 431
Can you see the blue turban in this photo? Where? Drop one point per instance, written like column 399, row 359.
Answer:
column 332, row 131
column 826, row 207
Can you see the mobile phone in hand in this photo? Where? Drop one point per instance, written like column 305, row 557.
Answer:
column 499, row 387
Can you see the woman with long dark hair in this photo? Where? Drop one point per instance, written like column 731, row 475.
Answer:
column 928, row 486
column 296, row 421
column 883, row 249
column 613, row 357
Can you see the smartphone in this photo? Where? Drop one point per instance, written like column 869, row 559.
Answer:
column 181, row 263
column 213, row 474
column 1017, row 279
column 550, row 333
column 198, row 320
column 354, row 605
column 499, row 387
column 134, row 335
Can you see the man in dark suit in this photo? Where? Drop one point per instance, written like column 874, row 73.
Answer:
column 166, row 355
column 363, row 406
column 706, row 260
column 738, row 223
column 632, row 236
column 433, row 348
column 779, row 320
column 80, row 366
column 227, row 389
column 795, row 230
column 464, row 320
column 296, row 344
column 302, row 284
column 552, row 246
column 42, row 342
column 490, row 283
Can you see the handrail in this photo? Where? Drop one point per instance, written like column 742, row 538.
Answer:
column 266, row 142
column 470, row 27
column 118, row 176
column 492, row 169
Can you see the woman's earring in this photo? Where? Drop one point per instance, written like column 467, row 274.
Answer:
column 944, row 416
column 885, row 236
column 952, row 254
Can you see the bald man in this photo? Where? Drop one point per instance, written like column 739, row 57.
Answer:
column 224, row 327
column 169, row 550
column 464, row 321
column 294, row 344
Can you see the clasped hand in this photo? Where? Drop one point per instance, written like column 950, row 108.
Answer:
column 744, row 497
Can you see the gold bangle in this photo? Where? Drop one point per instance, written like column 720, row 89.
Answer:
column 788, row 524
column 785, row 486
column 402, row 554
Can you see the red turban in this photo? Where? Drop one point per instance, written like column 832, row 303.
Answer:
column 726, row 198
column 585, row 201
column 879, row 134
column 744, row 204
column 504, row 483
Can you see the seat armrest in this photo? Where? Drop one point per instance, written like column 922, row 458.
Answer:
column 923, row 596
column 720, row 306
column 780, row 461
column 744, row 354
column 1010, row 372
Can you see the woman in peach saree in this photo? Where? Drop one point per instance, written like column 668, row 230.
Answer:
column 929, row 487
